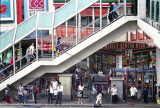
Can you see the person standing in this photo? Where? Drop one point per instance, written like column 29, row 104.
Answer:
column 80, row 91
column 100, row 73
column 50, row 93
column 54, row 84
column 20, row 93
column 78, row 71
column 115, row 15
column 110, row 12
column 7, row 92
column 35, row 93
column 114, row 94
column 133, row 92
column 59, row 95
column 146, row 89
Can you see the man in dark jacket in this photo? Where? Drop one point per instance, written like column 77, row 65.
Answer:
column 146, row 89
column 110, row 12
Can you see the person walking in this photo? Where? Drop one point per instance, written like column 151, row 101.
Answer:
column 133, row 92
column 59, row 95
column 24, row 95
column 32, row 51
column 115, row 15
column 58, row 48
column 35, row 89
column 114, row 94
column 146, row 89
column 50, row 93
column 80, row 93
column 7, row 92
column 110, row 12
column 20, row 93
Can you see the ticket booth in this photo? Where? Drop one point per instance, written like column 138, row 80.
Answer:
column 148, row 79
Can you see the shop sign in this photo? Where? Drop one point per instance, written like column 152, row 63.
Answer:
column 35, row 6
column 6, row 10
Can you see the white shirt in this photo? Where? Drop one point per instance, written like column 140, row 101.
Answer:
column 31, row 49
column 100, row 73
column 60, row 88
column 54, row 84
column 80, row 87
column 133, row 91
column 78, row 70
column 51, row 89
column 114, row 91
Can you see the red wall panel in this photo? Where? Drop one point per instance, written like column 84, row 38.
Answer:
column 19, row 11
column 133, row 35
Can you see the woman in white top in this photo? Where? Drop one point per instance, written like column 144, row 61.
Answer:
column 114, row 94
column 80, row 91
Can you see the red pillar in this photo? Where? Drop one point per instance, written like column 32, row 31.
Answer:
column 19, row 11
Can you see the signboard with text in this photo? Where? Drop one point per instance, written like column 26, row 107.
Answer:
column 35, row 6
column 6, row 10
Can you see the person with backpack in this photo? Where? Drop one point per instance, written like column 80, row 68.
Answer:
column 35, row 91
column 20, row 93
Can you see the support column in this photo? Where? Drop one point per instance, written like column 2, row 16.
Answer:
column 79, row 26
column 41, row 44
column 76, row 22
column 20, row 54
column 100, row 14
column 66, row 23
column 93, row 18
column 36, row 45
column 141, row 9
column 124, row 7
column 158, row 68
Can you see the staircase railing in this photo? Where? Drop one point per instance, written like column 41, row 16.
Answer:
column 72, row 38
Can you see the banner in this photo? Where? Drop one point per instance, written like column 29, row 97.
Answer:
column 35, row 6
column 6, row 10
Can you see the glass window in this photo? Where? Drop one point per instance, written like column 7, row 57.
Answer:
column 97, row 24
column 83, row 20
column 71, row 22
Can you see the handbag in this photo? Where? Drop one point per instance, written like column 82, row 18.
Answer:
column 79, row 95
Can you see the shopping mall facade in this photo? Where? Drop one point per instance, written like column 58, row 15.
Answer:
column 127, row 50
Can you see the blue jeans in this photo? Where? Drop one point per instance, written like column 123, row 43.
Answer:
column 20, row 99
column 59, row 98
column 24, row 98
column 115, row 15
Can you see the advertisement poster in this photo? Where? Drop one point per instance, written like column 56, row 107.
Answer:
column 35, row 6
column 6, row 10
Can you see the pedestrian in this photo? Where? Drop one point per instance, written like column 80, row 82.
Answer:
column 78, row 70
column 100, row 73
column 58, row 48
column 115, row 15
column 99, row 95
column 80, row 93
column 54, row 84
column 20, row 93
column 7, row 92
column 59, row 95
column 114, row 94
column 146, row 89
column 50, row 93
column 24, row 95
column 32, row 51
column 110, row 12
column 35, row 90
column 133, row 92
column 28, row 54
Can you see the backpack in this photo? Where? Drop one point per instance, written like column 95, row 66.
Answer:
column 37, row 90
